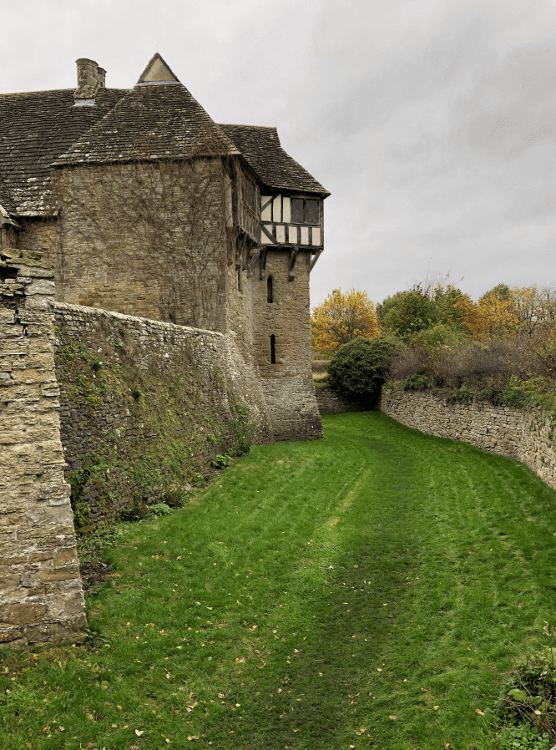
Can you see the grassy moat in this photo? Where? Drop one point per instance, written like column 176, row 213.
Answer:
column 368, row 590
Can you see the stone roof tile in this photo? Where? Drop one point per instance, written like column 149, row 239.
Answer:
column 6, row 201
column 152, row 121
column 262, row 150
column 35, row 128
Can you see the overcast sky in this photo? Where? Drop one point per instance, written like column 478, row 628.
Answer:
column 432, row 123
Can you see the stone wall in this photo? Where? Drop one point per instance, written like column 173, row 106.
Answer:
column 144, row 239
column 145, row 406
column 41, row 597
column 525, row 436
column 329, row 402
column 287, row 382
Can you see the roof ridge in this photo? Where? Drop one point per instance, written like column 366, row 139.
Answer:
column 57, row 91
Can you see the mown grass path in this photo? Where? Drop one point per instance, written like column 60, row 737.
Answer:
column 364, row 591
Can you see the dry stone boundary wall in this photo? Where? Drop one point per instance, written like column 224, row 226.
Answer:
column 524, row 436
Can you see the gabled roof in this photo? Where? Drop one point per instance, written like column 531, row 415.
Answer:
column 151, row 122
column 157, row 71
column 261, row 148
column 35, row 128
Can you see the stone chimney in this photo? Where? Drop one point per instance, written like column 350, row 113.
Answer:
column 90, row 78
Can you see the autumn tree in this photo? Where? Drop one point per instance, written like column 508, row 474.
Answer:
column 342, row 318
column 474, row 324
column 497, row 308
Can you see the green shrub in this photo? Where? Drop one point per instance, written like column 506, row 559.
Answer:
column 523, row 737
column 528, row 697
column 417, row 383
column 161, row 509
column 359, row 368
column 221, row 461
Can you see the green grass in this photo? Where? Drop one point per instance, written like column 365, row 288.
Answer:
column 378, row 580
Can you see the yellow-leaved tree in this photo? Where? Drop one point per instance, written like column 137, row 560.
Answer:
column 497, row 308
column 474, row 323
column 342, row 318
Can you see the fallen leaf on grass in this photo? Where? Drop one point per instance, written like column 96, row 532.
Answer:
column 360, row 732
column 478, row 711
column 46, row 729
column 240, row 660
column 436, row 708
column 393, row 717
column 139, row 732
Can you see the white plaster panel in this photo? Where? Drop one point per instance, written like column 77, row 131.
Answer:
column 280, row 233
column 304, row 236
column 286, row 210
column 266, row 214
column 292, row 235
column 315, row 231
column 277, row 210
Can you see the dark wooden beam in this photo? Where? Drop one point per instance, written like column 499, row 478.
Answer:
column 293, row 256
column 314, row 260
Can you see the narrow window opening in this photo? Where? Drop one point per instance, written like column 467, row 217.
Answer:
column 269, row 297
column 273, row 349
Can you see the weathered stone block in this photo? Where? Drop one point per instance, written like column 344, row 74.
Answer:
column 20, row 614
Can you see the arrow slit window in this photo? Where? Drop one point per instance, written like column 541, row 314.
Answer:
column 273, row 349
column 269, row 291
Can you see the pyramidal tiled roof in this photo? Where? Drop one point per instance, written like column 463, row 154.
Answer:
column 152, row 121
column 35, row 128
column 260, row 146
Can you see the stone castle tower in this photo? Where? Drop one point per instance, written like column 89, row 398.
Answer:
column 143, row 205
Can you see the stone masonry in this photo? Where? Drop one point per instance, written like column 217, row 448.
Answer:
column 524, row 436
column 41, row 596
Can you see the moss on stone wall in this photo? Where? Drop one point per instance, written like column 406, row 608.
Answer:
column 141, row 420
